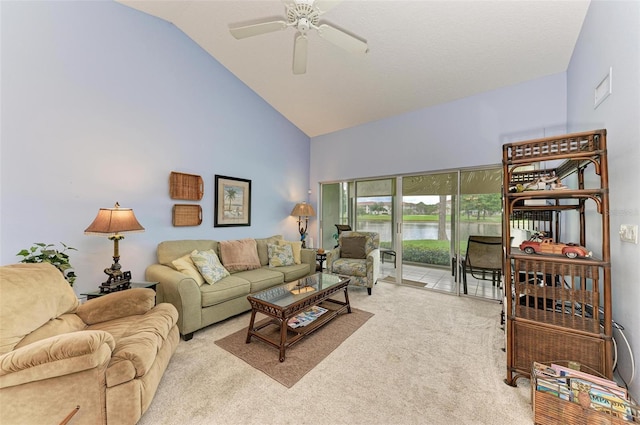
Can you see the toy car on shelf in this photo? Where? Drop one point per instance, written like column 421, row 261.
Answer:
column 548, row 246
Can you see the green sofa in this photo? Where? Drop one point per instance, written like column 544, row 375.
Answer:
column 202, row 305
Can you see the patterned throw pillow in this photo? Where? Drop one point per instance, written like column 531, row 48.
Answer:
column 280, row 255
column 185, row 265
column 209, row 265
column 296, row 247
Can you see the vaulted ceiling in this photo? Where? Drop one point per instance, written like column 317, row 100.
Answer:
column 421, row 52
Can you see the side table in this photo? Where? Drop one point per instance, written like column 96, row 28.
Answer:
column 386, row 252
column 96, row 294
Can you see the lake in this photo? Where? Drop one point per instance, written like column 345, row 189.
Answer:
column 429, row 230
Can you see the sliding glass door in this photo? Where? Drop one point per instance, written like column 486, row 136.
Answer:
column 424, row 222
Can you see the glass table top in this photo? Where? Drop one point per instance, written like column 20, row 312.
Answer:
column 292, row 292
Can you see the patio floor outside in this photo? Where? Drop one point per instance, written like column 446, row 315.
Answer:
column 440, row 279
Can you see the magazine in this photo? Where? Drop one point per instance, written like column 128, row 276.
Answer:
column 306, row 317
column 598, row 393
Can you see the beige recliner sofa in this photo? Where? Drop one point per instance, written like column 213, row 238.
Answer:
column 202, row 305
column 106, row 356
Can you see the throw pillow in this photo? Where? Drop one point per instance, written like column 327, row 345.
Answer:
column 296, row 248
column 263, row 254
column 209, row 265
column 239, row 255
column 280, row 255
column 185, row 265
column 353, row 247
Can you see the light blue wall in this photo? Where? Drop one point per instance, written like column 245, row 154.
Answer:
column 610, row 38
column 464, row 133
column 100, row 103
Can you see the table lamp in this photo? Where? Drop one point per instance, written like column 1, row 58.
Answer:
column 111, row 222
column 305, row 210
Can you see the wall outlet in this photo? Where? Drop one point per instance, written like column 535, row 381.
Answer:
column 629, row 233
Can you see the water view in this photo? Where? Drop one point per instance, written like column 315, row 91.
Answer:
column 429, row 230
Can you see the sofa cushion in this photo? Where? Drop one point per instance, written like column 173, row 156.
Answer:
column 209, row 266
column 261, row 244
column 138, row 339
column 239, row 255
column 25, row 305
column 185, row 265
column 353, row 247
column 294, row 272
column 262, row 278
column 132, row 302
column 60, row 325
column 296, row 247
column 172, row 250
column 229, row 288
column 280, row 255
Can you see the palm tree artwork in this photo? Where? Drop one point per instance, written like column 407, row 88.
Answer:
column 230, row 195
column 232, row 202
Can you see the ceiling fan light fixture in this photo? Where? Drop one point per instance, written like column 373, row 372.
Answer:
column 303, row 25
column 304, row 15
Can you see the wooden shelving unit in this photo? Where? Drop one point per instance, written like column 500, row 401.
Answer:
column 557, row 308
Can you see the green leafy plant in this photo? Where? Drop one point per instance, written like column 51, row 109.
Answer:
column 47, row 253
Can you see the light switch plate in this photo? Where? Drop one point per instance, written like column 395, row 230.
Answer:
column 603, row 89
column 629, row 233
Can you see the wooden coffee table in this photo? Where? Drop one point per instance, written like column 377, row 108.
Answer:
column 284, row 302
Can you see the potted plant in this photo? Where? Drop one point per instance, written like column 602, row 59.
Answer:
column 47, row 253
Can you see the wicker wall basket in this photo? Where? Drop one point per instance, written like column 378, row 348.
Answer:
column 187, row 215
column 186, row 186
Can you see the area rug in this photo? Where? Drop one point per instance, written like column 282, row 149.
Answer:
column 302, row 356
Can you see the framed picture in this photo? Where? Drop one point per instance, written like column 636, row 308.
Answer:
column 233, row 202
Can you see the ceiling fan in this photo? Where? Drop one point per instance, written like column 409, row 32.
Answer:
column 304, row 15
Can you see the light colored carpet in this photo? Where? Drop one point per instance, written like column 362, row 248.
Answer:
column 423, row 358
column 302, row 356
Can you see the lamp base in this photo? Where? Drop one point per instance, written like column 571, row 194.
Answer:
column 303, row 236
column 115, row 283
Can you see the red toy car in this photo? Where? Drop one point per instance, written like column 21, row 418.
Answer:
column 548, row 246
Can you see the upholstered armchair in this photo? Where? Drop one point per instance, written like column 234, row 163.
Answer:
column 357, row 256
column 106, row 356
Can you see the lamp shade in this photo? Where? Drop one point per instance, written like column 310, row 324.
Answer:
column 303, row 210
column 114, row 220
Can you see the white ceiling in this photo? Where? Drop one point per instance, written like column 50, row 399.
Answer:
column 421, row 53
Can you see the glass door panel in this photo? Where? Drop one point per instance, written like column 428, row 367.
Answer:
column 375, row 213
column 374, row 209
column 480, row 214
column 428, row 203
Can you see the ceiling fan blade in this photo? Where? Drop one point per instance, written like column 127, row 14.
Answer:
column 257, row 29
column 300, row 55
column 342, row 39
